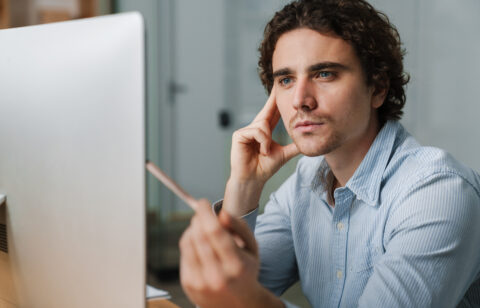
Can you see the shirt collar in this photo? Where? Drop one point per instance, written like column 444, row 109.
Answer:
column 367, row 179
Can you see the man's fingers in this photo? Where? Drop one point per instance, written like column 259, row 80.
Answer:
column 210, row 264
column 290, row 151
column 190, row 274
column 268, row 110
column 238, row 240
column 204, row 228
column 275, row 118
column 221, row 238
column 240, row 229
column 204, row 203
column 248, row 134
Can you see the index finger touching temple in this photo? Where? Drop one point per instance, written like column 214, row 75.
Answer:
column 269, row 111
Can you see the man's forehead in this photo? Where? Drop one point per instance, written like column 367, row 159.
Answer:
column 304, row 47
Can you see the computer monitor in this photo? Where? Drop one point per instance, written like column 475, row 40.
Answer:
column 72, row 163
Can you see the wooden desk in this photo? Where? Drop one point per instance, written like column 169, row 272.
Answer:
column 160, row 303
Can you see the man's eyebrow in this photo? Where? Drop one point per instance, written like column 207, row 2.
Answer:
column 312, row 68
column 282, row 72
column 325, row 65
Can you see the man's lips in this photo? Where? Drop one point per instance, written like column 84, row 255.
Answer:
column 307, row 126
column 307, row 123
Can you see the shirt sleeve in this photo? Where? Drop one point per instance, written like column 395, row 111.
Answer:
column 278, row 267
column 250, row 218
column 431, row 244
column 287, row 304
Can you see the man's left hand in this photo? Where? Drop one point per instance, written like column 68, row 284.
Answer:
column 219, row 262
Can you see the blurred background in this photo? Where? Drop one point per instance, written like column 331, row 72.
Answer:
column 203, row 84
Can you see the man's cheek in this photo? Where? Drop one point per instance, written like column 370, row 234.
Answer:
column 286, row 120
column 283, row 109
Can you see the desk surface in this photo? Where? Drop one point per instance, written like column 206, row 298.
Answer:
column 160, row 303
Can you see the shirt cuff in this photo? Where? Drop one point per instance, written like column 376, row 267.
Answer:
column 250, row 218
column 287, row 304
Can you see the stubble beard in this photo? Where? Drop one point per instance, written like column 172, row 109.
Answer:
column 325, row 145
column 313, row 144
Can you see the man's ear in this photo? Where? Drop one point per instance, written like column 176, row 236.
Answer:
column 378, row 96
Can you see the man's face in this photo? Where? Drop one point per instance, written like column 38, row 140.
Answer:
column 321, row 92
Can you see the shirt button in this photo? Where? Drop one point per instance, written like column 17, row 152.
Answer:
column 340, row 226
column 339, row 274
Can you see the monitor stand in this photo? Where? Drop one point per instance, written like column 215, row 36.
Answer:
column 8, row 297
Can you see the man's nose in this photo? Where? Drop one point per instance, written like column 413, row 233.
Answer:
column 303, row 96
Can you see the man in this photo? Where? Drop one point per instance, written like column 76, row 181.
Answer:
column 369, row 218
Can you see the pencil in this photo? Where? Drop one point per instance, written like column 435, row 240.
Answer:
column 174, row 187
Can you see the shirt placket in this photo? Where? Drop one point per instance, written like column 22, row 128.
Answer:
column 340, row 224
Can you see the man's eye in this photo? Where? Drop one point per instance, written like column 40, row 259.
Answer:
column 285, row 81
column 325, row 75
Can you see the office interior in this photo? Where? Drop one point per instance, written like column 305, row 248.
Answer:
column 202, row 84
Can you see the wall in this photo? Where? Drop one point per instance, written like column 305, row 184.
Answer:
column 443, row 44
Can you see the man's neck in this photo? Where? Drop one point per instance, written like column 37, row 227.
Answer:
column 345, row 160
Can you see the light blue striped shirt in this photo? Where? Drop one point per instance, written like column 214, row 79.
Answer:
column 404, row 232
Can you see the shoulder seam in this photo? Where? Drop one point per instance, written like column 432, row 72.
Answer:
column 425, row 177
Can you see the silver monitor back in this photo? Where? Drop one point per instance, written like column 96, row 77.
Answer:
column 72, row 157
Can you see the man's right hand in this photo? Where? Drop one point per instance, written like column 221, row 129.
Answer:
column 254, row 158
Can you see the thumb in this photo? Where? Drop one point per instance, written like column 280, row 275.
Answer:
column 290, row 151
column 240, row 230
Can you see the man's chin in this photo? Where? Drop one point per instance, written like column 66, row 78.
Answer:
column 312, row 149
column 312, row 153
column 309, row 150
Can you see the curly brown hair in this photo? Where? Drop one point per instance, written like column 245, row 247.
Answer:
column 375, row 40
